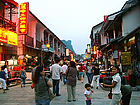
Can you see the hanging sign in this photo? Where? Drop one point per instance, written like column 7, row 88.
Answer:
column 88, row 48
column 23, row 18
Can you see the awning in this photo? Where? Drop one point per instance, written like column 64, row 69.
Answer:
column 111, row 42
column 44, row 48
column 11, row 2
column 130, row 35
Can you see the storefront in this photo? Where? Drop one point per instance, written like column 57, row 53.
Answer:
column 8, row 43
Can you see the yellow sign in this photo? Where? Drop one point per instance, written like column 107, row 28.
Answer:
column 8, row 37
column 1, row 49
column 12, row 38
column 126, row 58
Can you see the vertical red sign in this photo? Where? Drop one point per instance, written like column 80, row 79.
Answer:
column 23, row 18
column 88, row 48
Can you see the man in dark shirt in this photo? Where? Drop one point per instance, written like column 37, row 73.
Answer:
column 3, row 79
column 96, row 71
column 126, row 95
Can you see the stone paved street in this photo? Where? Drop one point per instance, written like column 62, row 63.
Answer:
column 25, row 96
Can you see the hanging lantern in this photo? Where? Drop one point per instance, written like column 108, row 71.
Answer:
column 48, row 45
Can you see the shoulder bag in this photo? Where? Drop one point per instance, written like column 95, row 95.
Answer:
column 51, row 95
column 110, row 94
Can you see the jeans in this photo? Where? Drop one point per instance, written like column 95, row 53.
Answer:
column 23, row 81
column 56, row 87
column 88, row 102
column 42, row 102
column 64, row 78
column 3, row 83
column 89, row 76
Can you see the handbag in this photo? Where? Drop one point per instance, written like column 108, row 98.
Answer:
column 32, row 86
column 110, row 94
column 51, row 95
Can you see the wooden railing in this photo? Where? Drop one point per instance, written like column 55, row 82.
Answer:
column 7, row 24
column 38, row 44
column 28, row 40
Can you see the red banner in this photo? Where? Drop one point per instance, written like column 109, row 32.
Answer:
column 23, row 18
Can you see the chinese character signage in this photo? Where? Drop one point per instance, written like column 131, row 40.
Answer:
column 67, row 52
column 23, row 18
column 94, row 50
column 12, row 38
column 8, row 37
column 71, row 56
column 126, row 58
column 88, row 48
column 97, row 40
column 3, row 35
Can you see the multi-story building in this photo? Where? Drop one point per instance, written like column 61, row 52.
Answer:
column 120, row 38
column 33, row 37
column 8, row 36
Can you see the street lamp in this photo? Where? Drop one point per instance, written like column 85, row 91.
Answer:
column 47, row 45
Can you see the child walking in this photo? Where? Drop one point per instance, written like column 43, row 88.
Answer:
column 88, row 94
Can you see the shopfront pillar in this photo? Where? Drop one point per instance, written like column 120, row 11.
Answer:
column 114, row 34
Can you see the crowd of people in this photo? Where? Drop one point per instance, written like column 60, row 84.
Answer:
column 70, row 72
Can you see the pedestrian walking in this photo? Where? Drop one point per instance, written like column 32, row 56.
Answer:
column 116, row 85
column 71, row 74
column 88, row 94
column 96, row 76
column 64, row 68
column 22, row 76
column 41, row 85
column 77, row 67
column 7, row 82
column 36, row 65
column 89, row 72
column 126, row 95
column 3, row 79
column 56, row 72
column 81, row 68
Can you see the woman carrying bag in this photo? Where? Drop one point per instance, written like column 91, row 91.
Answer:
column 71, row 73
column 116, row 85
column 41, row 85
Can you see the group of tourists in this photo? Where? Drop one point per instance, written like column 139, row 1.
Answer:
column 69, row 73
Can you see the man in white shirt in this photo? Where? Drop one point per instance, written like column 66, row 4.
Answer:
column 56, row 72
column 64, row 68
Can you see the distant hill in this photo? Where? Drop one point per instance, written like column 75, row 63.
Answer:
column 68, row 45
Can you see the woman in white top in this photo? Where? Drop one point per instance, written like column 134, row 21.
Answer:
column 116, row 85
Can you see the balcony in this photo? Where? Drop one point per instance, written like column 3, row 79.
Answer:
column 7, row 24
column 38, row 44
column 28, row 40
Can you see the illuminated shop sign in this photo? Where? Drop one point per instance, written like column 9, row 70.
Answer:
column 67, row 52
column 71, row 55
column 88, row 48
column 94, row 50
column 23, row 18
column 8, row 37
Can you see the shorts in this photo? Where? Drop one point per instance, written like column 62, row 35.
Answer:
column 81, row 74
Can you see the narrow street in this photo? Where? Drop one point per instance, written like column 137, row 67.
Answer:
column 25, row 96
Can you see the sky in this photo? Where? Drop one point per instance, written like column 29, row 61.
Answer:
column 73, row 19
